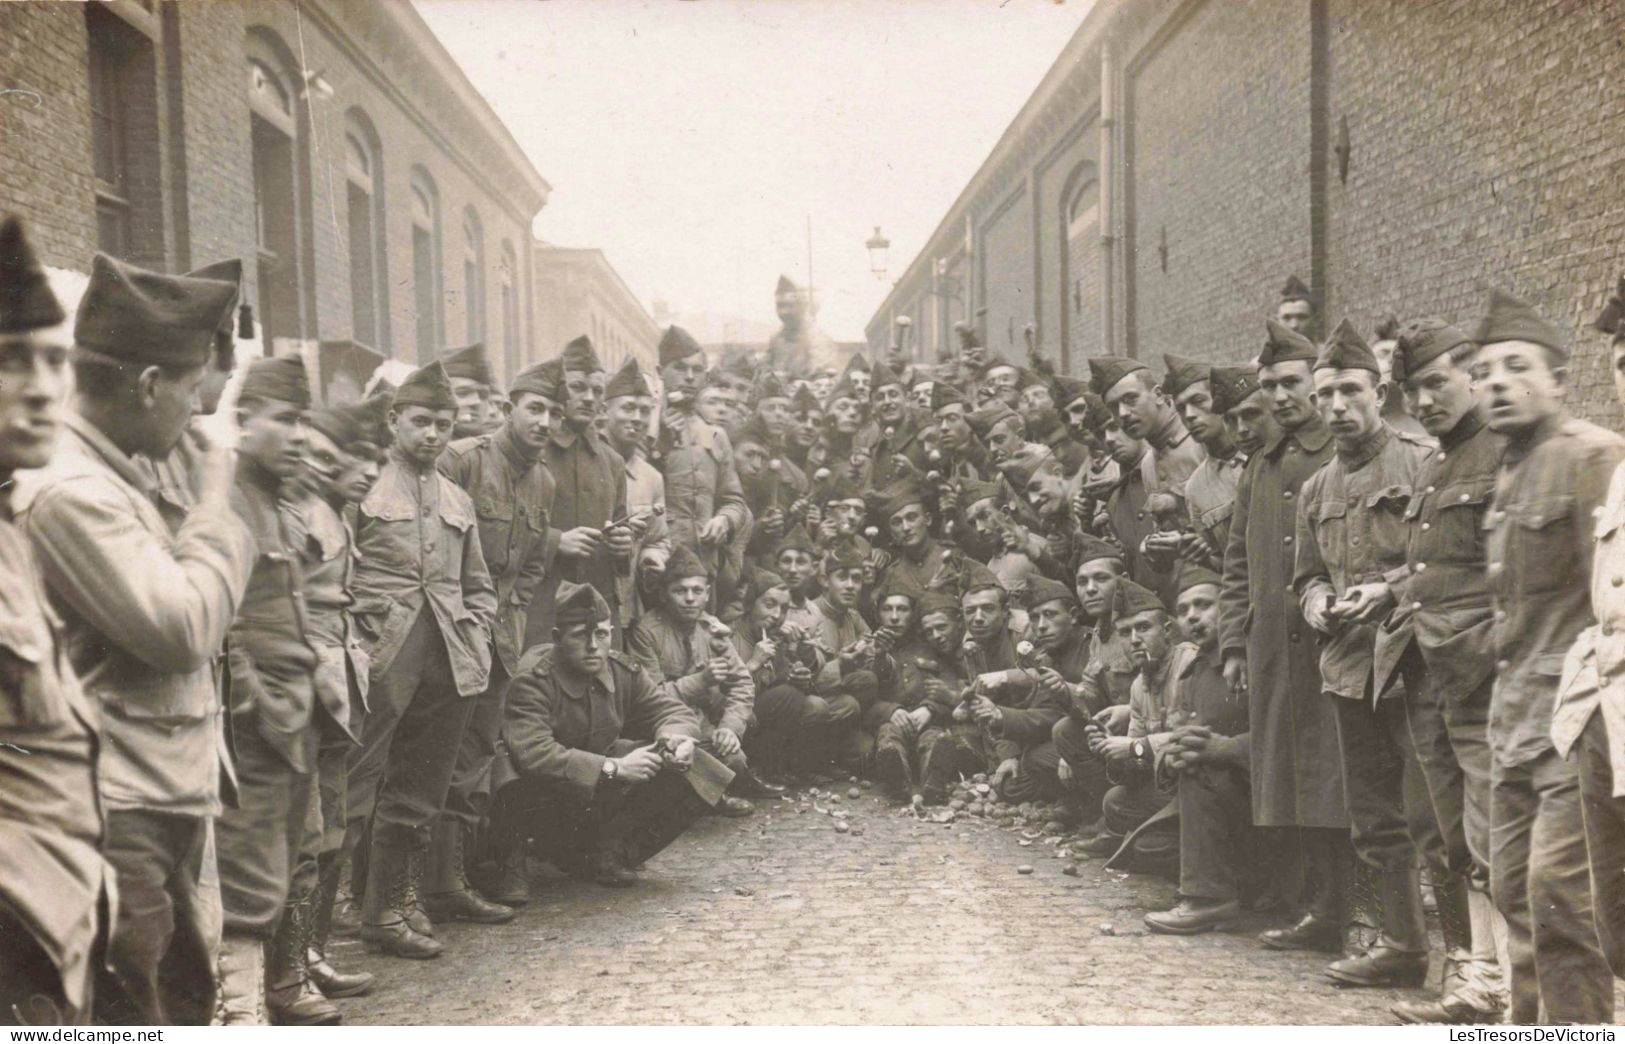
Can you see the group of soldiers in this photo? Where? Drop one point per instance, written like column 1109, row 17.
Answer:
column 1295, row 632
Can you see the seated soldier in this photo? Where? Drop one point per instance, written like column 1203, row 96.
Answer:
column 1207, row 758
column 792, row 721
column 833, row 623
column 935, row 753
column 895, row 648
column 1143, row 623
column 608, row 770
column 687, row 652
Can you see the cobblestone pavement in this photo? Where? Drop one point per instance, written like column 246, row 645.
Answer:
column 782, row 919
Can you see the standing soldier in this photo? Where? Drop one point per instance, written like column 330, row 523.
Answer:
column 1350, row 538
column 1553, row 477
column 1270, row 653
column 55, row 889
column 1210, row 492
column 272, row 663
column 425, row 604
column 144, row 614
column 472, row 381
column 512, row 493
column 1446, row 598
column 1296, row 308
column 631, row 408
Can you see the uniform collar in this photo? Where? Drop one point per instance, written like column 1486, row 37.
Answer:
column 1469, row 425
column 1169, row 434
column 1526, row 442
column 503, row 438
column 1312, row 435
column 565, row 435
column 116, row 458
column 1366, row 449
column 580, row 688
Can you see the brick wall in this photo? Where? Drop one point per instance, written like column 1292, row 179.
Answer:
column 1488, row 148
column 1006, row 275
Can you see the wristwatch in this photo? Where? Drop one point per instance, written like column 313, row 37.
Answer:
column 610, row 769
column 1139, row 750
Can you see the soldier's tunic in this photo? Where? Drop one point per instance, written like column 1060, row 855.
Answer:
column 1154, row 712
column 674, row 654
column 1541, row 528
column 1295, row 756
column 1210, row 497
column 1175, row 456
column 645, row 488
column 701, row 484
column 804, row 350
column 55, row 890
column 1351, row 531
column 272, row 664
column 589, row 489
column 1101, row 675
column 512, row 498
column 1131, row 523
column 424, row 606
column 558, row 733
column 145, row 610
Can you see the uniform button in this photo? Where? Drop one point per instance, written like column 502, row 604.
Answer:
column 1443, row 455
column 1421, row 566
column 1495, row 568
column 1287, row 494
column 1616, row 581
column 1429, row 489
column 1465, row 497
column 1426, row 526
column 1294, row 636
column 1500, row 614
column 1416, row 606
column 1503, row 665
column 1288, row 539
column 1607, row 630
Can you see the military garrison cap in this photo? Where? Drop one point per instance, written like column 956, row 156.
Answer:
column 1506, row 318
column 628, row 380
column 580, row 357
column 1231, row 385
column 1107, row 370
column 426, row 386
column 1182, row 373
column 1421, row 341
column 472, row 363
column 1041, row 589
column 1611, row 320
column 26, row 300
column 1345, row 349
column 579, row 603
column 132, row 314
column 1282, row 344
column 677, row 344
column 1130, row 599
column 1295, row 290
column 281, row 378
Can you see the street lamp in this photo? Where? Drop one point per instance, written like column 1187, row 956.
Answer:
column 878, row 245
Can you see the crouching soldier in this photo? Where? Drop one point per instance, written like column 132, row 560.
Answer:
column 608, row 768
column 782, row 665
column 914, row 748
column 690, row 655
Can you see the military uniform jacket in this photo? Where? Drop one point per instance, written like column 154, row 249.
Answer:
column 674, row 655
column 1131, row 523
column 145, row 611
column 271, row 658
column 51, row 870
column 1154, row 707
column 512, row 498
column 1175, row 456
column 1541, row 528
column 1594, row 673
column 645, row 487
column 1027, row 714
column 1296, row 763
column 328, row 553
column 832, row 630
column 1108, row 674
column 1442, row 589
column 559, row 730
column 420, row 550
column 1351, row 530
column 1210, row 497
column 589, row 489
column 701, row 483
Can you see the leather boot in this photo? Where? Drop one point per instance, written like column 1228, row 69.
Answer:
column 450, row 897
column 1472, row 993
column 513, row 877
column 1362, row 907
column 388, row 902
column 891, row 770
column 1400, row 955
column 291, row 999
column 416, row 916
column 242, row 980
column 747, row 784
column 342, row 918
column 1311, row 932
column 331, row 981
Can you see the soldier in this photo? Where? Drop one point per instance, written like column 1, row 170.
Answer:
column 896, row 430
column 1445, row 596
column 272, row 663
column 962, row 456
column 56, row 890
column 799, row 346
column 1146, row 410
column 1269, row 652
column 425, row 605
column 1210, row 492
column 833, row 623
column 808, row 427
column 1554, row 474
column 1296, row 309
column 344, row 453
column 472, row 380
column 685, row 651
column 145, row 610
column 1350, row 536
column 512, row 491
column 1246, row 412
column 773, row 487
column 1017, row 714
column 1000, row 428
column 630, row 405
column 901, row 507
column 589, row 489
column 608, row 769
column 782, row 666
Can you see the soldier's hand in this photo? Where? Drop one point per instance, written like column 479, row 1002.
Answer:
column 815, row 516
column 920, row 716
column 1052, row 684
column 1317, row 612
column 715, row 531
column 1114, row 748
column 1113, row 719
column 985, row 711
column 961, row 712
column 772, row 523
column 1081, row 506
column 1368, row 603
column 620, row 541
column 826, row 529
column 726, row 743
column 580, row 542
column 884, row 640
column 1063, row 771
column 1235, row 672
column 1009, row 768
column 936, row 689
column 682, row 754
column 800, row 674
column 764, row 652
column 718, row 670
column 640, row 766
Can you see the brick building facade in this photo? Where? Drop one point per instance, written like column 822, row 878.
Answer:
column 1183, row 157
column 581, row 293
column 334, row 146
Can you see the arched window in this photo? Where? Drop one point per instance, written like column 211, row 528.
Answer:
column 509, row 276
column 277, row 128
column 369, row 273
column 1080, row 222
column 426, row 277
column 474, row 275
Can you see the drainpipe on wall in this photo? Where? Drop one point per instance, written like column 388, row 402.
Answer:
column 1110, row 105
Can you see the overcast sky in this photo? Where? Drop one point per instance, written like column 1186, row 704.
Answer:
column 691, row 141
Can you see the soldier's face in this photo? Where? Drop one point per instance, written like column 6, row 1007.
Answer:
column 909, row 526
column 889, row 400
column 1147, row 636
column 683, row 375
column 821, row 385
column 1290, row 390
column 789, row 307
column 842, row 586
column 1046, row 490
column 750, row 459
column 1001, row 382
column 808, row 423
column 848, row 515
column 583, row 393
column 896, row 613
column 1052, row 624
column 421, row 433
column 1123, row 447
column 1517, row 385
column 272, row 434
column 768, row 611
column 582, row 648
column 1350, row 401
column 1034, row 403
column 1096, row 583
column 985, row 615
column 1077, row 416
column 1195, row 404
column 1004, row 438
column 33, row 381
column 713, row 406
column 688, row 597
column 796, row 567
column 1136, row 404
column 170, row 399
column 953, row 433
column 942, row 632
column 775, row 413
column 1295, row 316
column 1250, row 423
column 860, row 381
column 1197, row 610
column 1440, row 394
column 473, row 399
column 846, row 414
column 531, row 422
column 342, row 476
column 983, row 518
column 920, row 394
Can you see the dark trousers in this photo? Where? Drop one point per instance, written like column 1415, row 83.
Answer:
column 1129, row 804
column 31, row 991
column 1374, row 744
column 1604, row 816
column 1452, row 739
column 1540, row 881
column 323, row 833
column 160, row 959
column 401, row 772
column 1215, row 828
column 947, row 752
column 786, row 719
column 1090, row 781
column 258, row 842
column 1035, row 778
column 469, row 792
